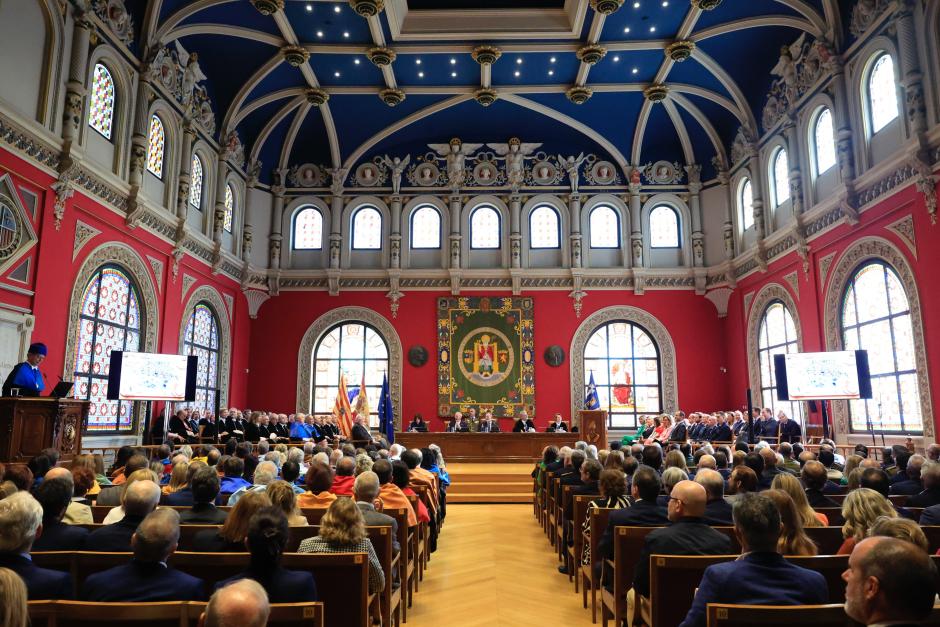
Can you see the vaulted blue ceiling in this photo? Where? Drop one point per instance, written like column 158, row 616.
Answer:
column 723, row 84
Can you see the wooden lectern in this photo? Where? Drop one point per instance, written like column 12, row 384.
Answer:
column 29, row 425
column 593, row 426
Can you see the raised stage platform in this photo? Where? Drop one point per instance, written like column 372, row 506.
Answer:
column 512, row 448
column 489, row 483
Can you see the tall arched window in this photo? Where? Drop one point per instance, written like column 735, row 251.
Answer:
column 355, row 349
column 426, row 227
column 202, row 340
column 605, row 227
column 156, row 147
column 624, row 359
column 101, row 101
column 780, row 175
column 110, row 319
column 484, row 228
column 823, row 139
column 367, row 229
column 876, row 317
column 664, row 227
column 776, row 336
column 229, row 209
column 746, row 204
column 308, row 229
column 195, row 185
column 544, row 228
column 882, row 94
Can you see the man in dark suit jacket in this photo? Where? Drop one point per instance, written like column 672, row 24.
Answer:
column 140, row 499
column 717, row 509
column 366, row 491
column 147, row 578
column 205, row 486
column 570, row 474
column 680, row 433
column 930, row 475
column 912, row 484
column 930, row 516
column 722, row 430
column 790, row 430
column 814, row 478
column 21, row 522
column 54, row 495
column 590, row 473
column 360, row 432
column 760, row 576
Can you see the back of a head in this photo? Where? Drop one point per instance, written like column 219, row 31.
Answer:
column 400, row 475
column 744, row 479
column 13, row 607
column 319, row 478
column 290, row 470
column 712, row 481
column 383, row 469
column 757, row 520
column 141, row 498
column 346, row 467
column 647, row 483
column 54, row 495
column 826, row 457
column 157, row 536
column 672, row 476
column 875, row 479
column 769, row 457
column 243, row 603
column 692, row 496
column 265, row 473
column 205, row 485
column 366, row 487
column 577, row 458
column 136, row 462
column 652, row 456
column 233, row 467
column 755, row 462
column 411, row 459
column 930, row 475
column 902, row 529
column 707, row 462
column 343, row 523
column 813, row 475
column 20, row 517
column 267, row 536
column 906, row 593
column 592, row 468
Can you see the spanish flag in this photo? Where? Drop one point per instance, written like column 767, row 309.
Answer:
column 341, row 409
column 362, row 400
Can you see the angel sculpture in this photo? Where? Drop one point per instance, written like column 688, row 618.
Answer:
column 192, row 73
column 338, row 178
column 514, row 153
column 456, row 153
column 397, row 166
column 572, row 166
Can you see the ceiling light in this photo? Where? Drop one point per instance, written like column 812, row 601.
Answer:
column 626, row 29
column 420, row 74
column 337, row 9
column 652, row 29
column 519, row 61
column 346, row 34
column 635, row 70
column 453, row 61
column 319, row 33
column 516, row 73
column 336, row 74
column 309, row 8
column 551, row 72
column 453, row 74
column 552, row 60
column 636, row 5
column 665, row 3
column 417, row 61
column 616, row 59
column 356, row 61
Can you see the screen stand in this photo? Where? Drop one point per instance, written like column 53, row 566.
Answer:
column 825, row 419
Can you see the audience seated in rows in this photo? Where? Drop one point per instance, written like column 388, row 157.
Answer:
column 21, row 521
column 54, row 494
column 205, row 490
column 243, row 603
column 231, row 537
column 140, row 498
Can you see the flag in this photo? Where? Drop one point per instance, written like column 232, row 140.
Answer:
column 386, row 412
column 362, row 399
column 341, row 409
column 590, row 399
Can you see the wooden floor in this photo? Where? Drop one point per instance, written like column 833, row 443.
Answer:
column 494, row 566
column 490, row 483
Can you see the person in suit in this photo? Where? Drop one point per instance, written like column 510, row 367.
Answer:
column 814, row 478
column 417, row 424
column 878, row 592
column 930, row 475
column 147, row 578
column 209, row 427
column 266, row 540
column 760, row 576
column 360, row 429
column 235, row 425
column 205, row 487
column 557, row 425
column 366, row 491
column 722, row 430
column 790, row 430
column 180, row 430
column 54, row 495
column 910, row 485
column 25, row 379
column 450, row 426
column 21, row 521
column 243, row 603
column 680, row 433
column 488, row 424
column 523, row 424
column 140, row 499
column 738, row 423
column 461, row 423
column 717, row 509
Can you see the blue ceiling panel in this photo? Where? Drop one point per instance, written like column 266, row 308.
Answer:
column 324, row 24
column 651, row 20
column 725, row 123
column 237, row 13
column 611, row 115
column 661, row 141
column 702, row 146
column 732, row 11
column 270, row 153
column 534, row 69
column 422, row 70
column 691, row 72
column 632, row 66
column 169, row 7
column 343, row 70
column 251, row 126
column 281, row 77
column 312, row 144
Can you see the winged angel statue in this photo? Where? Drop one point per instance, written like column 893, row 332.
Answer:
column 456, row 153
column 397, row 166
column 514, row 152
column 192, row 73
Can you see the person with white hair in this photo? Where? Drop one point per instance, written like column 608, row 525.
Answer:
column 265, row 473
column 243, row 603
column 395, row 451
column 21, row 522
column 140, row 499
column 524, row 424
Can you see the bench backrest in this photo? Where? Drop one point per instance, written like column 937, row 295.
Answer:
column 827, row 539
column 165, row 614
column 721, row 615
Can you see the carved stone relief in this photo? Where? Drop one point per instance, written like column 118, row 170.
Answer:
column 904, row 229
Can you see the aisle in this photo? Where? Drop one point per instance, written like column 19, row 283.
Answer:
column 494, row 567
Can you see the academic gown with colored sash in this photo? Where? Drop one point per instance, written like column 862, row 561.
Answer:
column 26, row 378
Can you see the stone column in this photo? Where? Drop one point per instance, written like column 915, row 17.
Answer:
column 695, row 208
column 727, row 230
column 574, row 213
column 186, row 160
column 247, row 232
column 757, row 190
column 793, row 162
column 140, row 140
column 515, row 234
column 218, row 216
column 455, row 238
column 73, row 115
column 336, row 222
column 277, row 217
column 909, row 71
column 840, row 100
column 395, row 233
column 636, row 225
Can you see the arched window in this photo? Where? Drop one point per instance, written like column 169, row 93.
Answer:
column 308, row 229
column 101, row 102
column 882, row 96
column 824, row 146
column 780, row 175
column 354, row 349
column 605, row 227
column 229, row 209
column 876, row 317
column 664, row 227
column 110, row 319
column 544, row 228
column 746, row 204
column 776, row 336
column 426, row 227
column 367, row 229
column 202, row 340
column 484, row 228
column 195, row 186
column 157, row 144
column 8, row 226
column 625, row 361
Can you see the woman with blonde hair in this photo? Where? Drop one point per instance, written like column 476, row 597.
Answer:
column 117, row 513
column 343, row 530
column 13, row 609
column 230, row 538
column 177, row 478
column 902, row 529
column 793, row 540
column 792, row 486
column 861, row 508
column 282, row 496
column 675, row 459
column 851, row 463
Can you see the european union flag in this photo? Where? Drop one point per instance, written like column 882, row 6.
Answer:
column 386, row 412
column 590, row 399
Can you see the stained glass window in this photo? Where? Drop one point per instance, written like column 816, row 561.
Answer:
column 876, row 317
column 484, row 228
column 605, row 227
column 229, row 209
column 544, row 230
column 157, row 143
column 664, row 227
column 195, row 186
column 776, row 336
column 625, row 361
column 8, row 227
column 426, row 228
column 882, row 93
column 110, row 319
column 202, row 340
column 780, row 175
column 746, row 203
column 101, row 104
column 367, row 229
column 355, row 349
column 824, row 146
column 308, row 229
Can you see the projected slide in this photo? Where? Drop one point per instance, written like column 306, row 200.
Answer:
column 822, row 376
column 153, row 377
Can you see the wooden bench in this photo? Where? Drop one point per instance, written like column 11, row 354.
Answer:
column 167, row 614
column 827, row 539
column 590, row 573
column 405, row 559
column 579, row 507
column 188, row 532
column 833, row 615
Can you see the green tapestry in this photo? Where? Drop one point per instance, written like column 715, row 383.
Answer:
column 485, row 355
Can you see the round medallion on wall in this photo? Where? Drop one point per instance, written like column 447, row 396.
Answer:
column 367, row 175
column 426, row 174
column 604, row 172
column 554, row 355
column 544, row 173
column 417, row 356
column 485, row 173
column 306, row 175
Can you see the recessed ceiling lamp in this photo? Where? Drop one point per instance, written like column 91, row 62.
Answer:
column 319, row 33
column 652, row 29
column 453, row 74
column 519, row 61
column 636, row 5
column 420, row 74
column 635, row 70
column 346, row 34
column 552, row 60
column 309, row 8
column 417, row 61
column 337, row 9
column 626, row 29
column 336, row 74
column 453, row 61
column 616, row 59
column 356, row 61
column 516, row 73
column 551, row 72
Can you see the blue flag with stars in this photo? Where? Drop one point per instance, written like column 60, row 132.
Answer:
column 386, row 412
column 590, row 399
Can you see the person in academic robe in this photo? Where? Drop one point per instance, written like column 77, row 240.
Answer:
column 180, row 429
column 253, row 428
column 417, row 424
column 523, row 424
column 194, row 418
column 265, row 430
column 282, row 428
column 25, row 378
column 221, row 425
column 558, row 425
column 488, row 425
column 208, row 427
column 235, row 426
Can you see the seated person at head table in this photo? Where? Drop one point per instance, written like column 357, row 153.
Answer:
column 461, row 424
column 489, row 424
column 25, row 378
column 557, row 425
column 523, row 424
column 418, row 425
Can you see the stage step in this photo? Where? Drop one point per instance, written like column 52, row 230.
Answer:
column 508, row 497
column 490, row 483
column 480, row 487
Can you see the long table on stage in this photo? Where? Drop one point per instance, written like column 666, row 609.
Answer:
column 488, row 447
